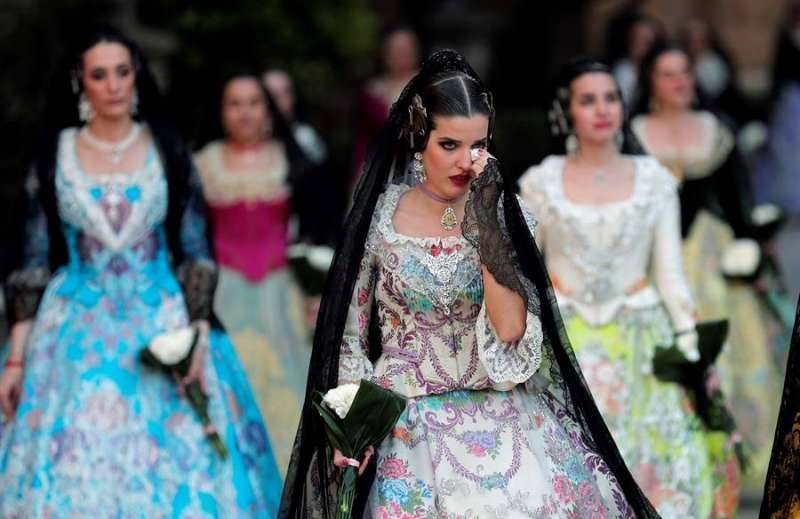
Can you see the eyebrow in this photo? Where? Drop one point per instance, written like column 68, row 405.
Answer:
column 457, row 141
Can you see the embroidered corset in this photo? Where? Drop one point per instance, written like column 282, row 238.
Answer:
column 113, row 226
column 428, row 297
column 602, row 257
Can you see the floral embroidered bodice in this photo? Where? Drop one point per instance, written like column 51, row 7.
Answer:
column 690, row 162
column 114, row 230
column 602, row 257
column 428, row 295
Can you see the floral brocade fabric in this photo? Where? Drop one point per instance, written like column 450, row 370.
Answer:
column 481, row 436
column 98, row 434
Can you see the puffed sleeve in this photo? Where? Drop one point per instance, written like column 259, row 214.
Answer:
column 25, row 285
column 667, row 263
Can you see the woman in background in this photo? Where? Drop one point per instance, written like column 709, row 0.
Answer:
column 248, row 180
column 401, row 62
column 609, row 228
column 114, row 220
column 701, row 154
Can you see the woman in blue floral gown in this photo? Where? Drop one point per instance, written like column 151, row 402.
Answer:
column 116, row 254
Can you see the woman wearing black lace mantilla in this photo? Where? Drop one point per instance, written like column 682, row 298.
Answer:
column 450, row 306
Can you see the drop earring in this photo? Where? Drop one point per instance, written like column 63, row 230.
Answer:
column 135, row 103
column 571, row 144
column 85, row 108
column 419, row 168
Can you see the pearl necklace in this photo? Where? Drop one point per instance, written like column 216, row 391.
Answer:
column 115, row 149
column 449, row 220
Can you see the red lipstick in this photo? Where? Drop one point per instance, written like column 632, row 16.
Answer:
column 461, row 180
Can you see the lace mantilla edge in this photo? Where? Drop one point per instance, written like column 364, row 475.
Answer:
column 484, row 226
column 509, row 364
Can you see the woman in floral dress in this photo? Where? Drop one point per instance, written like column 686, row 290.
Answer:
column 609, row 227
column 116, row 254
column 437, row 292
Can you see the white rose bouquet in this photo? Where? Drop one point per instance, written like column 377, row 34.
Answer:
column 172, row 352
column 356, row 417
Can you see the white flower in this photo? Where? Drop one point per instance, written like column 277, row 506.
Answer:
column 298, row 250
column 320, row 257
column 741, row 258
column 766, row 213
column 341, row 398
column 752, row 136
column 687, row 344
column 172, row 347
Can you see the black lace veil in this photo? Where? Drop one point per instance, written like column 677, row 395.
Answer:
column 312, row 480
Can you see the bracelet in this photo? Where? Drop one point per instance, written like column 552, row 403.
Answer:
column 11, row 363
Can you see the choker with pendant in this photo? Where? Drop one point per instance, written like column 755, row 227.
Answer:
column 449, row 219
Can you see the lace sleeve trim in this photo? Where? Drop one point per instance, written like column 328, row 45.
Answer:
column 509, row 364
column 199, row 281
column 23, row 292
column 353, row 364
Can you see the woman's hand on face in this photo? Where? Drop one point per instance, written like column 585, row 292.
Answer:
column 481, row 157
column 341, row 461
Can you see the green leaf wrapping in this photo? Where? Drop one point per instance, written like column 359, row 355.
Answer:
column 371, row 417
column 671, row 365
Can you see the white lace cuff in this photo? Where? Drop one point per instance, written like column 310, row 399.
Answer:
column 353, row 364
column 509, row 364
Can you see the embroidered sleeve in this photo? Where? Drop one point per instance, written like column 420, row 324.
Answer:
column 198, row 279
column 667, row 263
column 198, row 273
column 25, row 285
column 354, row 363
column 532, row 194
column 194, row 226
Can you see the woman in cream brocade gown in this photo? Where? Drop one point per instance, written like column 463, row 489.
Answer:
column 609, row 229
column 491, row 429
column 701, row 154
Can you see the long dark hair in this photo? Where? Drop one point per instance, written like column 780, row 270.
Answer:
column 561, row 125
column 281, row 129
column 311, row 482
column 447, row 94
column 648, row 66
column 61, row 111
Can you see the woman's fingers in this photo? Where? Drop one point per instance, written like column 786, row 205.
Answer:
column 367, row 457
column 341, row 461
